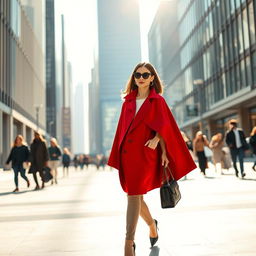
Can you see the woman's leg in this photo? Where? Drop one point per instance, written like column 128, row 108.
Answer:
column 16, row 172
column 146, row 216
column 35, row 179
column 23, row 175
column 132, row 216
column 56, row 174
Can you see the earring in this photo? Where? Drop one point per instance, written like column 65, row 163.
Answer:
column 151, row 83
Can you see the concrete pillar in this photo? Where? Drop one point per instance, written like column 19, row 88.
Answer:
column 1, row 139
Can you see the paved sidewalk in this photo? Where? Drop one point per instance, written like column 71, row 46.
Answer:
column 84, row 215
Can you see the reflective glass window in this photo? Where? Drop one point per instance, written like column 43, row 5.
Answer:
column 248, row 70
column 251, row 23
column 240, row 34
column 243, row 74
column 245, row 29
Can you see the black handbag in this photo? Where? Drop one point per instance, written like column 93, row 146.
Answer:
column 169, row 191
column 47, row 176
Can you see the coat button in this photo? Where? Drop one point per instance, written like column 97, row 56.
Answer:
column 130, row 140
column 124, row 151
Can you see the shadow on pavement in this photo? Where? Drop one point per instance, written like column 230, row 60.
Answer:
column 154, row 251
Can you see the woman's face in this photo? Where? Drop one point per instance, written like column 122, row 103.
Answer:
column 18, row 141
column 143, row 77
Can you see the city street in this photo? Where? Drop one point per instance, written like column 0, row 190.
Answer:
column 84, row 215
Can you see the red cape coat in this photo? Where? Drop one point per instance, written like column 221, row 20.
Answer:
column 140, row 168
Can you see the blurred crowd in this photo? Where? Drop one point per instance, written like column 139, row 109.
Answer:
column 40, row 159
column 223, row 150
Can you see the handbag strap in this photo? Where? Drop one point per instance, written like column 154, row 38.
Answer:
column 165, row 174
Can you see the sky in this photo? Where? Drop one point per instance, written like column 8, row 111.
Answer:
column 80, row 34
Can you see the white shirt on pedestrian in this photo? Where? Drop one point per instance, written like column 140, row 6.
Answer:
column 237, row 136
column 139, row 103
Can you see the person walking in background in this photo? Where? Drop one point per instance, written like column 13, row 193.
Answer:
column 86, row 160
column 216, row 145
column 75, row 161
column 199, row 143
column 54, row 154
column 235, row 139
column 19, row 156
column 38, row 157
column 66, row 161
column 147, row 137
column 253, row 145
column 81, row 162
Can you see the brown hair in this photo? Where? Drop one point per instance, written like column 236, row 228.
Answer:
column 39, row 135
column 157, row 83
column 19, row 137
column 253, row 131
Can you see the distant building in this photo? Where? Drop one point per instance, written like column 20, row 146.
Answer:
column 22, row 72
column 66, row 85
column 51, row 111
column 78, row 123
column 119, row 50
column 163, row 43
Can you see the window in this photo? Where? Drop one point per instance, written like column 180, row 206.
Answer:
column 245, row 29
column 251, row 23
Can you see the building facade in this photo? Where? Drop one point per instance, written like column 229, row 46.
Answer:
column 217, row 55
column 119, row 51
column 22, row 69
column 50, row 69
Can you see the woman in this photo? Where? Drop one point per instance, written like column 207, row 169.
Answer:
column 38, row 157
column 19, row 155
column 66, row 161
column 54, row 154
column 253, row 145
column 199, row 143
column 147, row 138
column 216, row 145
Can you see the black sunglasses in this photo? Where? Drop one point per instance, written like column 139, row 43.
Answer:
column 145, row 75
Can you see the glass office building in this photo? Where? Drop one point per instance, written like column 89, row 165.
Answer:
column 22, row 72
column 118, row 52
column 217, row 55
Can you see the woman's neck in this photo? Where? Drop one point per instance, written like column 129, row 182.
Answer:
column 143, row 93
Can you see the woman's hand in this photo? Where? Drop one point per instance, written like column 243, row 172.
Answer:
column 165, row 160
column 152, row 143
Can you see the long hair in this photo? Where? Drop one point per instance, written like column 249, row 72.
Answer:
column 16, row 140
column 55, row 142
column 40, row 136
column 253, row 131
column 157, row 83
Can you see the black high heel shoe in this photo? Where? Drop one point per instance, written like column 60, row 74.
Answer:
column 153, row 240
column 134, row 247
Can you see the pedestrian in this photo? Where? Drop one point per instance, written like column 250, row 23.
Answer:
column 86, row 160
column 216, row 145
column 235, row 139
column 54, row 154
column 19, row 157
column 253, row 145
column 38, row 157
column 66, row 161
column 189, row 146
column 75, row 161
column 147, row 139
column 199, row 144
column 81, row 161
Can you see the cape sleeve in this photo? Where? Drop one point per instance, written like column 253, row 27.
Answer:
column 113, row 160
column 162, row 121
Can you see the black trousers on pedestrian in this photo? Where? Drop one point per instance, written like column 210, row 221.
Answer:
column 202, row 160
column 238, row 152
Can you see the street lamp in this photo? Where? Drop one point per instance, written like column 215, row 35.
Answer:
column 199, row 83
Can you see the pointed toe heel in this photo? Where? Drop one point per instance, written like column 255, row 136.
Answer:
column 153, row 240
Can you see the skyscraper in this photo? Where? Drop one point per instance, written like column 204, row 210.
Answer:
column 119, row 50
column 50, row 69
column 22, row 79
